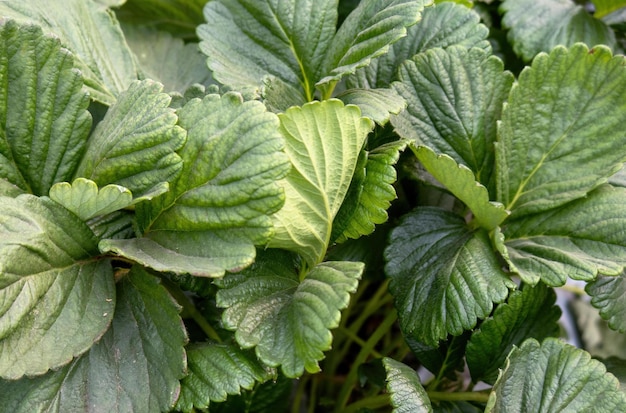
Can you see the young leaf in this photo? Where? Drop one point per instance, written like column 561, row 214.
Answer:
column 541, row 26
column 134, row 145
column 216, row 371
column 323, row 140
column 435, row 262
column 219, row 208
column 454, row 99
column 461, row 182
column 578, row 240
column 287, row 319
column 530, row 312
column 92, row 33
column 135, row 367
column 608, row 294
column 376, row 104
column 554, row 377
column 405, row 390
column 56, row 296
column 44, row 119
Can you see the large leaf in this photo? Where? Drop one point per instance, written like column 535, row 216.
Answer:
column 608, row 294
column 554, row 377
column 579, row 240
column 135, row 367
column 558, row 140
column 180, row 17
column 376, row 104
column 44, row 119
column 216, row 371
column 444, row 277
column 405, row 390
column 134, row 145
column 454, row 99
column 539, row 26
column 323, row 140
column 287, row 319
column 528, row 313
column 219, row 208
column 92, row 33
column 56, row 296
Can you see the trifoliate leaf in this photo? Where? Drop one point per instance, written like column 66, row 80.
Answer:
column 435, row 262
column 554, row 377
column 557, row 140
column 180, row 17
column 56, row 296
column 461, row 182
column 216, row 371
column 454, row 99
column 376, row 104
column 220, row 206
column 44, row 119
column 323, row 141
column 287, row 319
column 540, row 26
column 442, row 25
column 134, row 145
column 135, row 367
column 579, row 240
column 405, row 390
column 530, row 312
column 92, row 33
column 608, row 294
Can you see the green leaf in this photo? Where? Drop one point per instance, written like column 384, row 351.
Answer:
column 558, row 139
column 619, row 179
column 180, row 17
column 446, row 360
column 376, row 104
column 461, row 182
column 323, row 141
column 135, row 367
column 269, row 397
column 541, row 26
column 605, row 7
column 287, row 319
column 56, row 296
column 454, row 99
column 442, row 25
column 530, row 312
column 116, row 225
column 44, row 119
column 92, row 33
column 434, row 261
column 8, row 189
column 216, row 371
column 134, row 145
column 608, row 294
column 405, row 390
column 247, row 41
column 554, row 377
column 219, row 208
column 617, row 367
column 578, row 240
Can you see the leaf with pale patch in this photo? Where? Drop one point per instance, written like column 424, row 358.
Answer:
column 405, row 390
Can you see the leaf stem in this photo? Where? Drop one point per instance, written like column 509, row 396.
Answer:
column 359, row 341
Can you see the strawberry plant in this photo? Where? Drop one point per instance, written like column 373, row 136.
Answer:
column 281, row 205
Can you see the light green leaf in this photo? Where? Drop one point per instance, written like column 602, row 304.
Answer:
column 461, row 182
column 135, row 367
column 8, row 189
column 367, row 33
column 608, row 294
column 180, row 17
column 579, row 240
column 247, row 41
column 134, row 145
column 562, row 132
column 454, row 99
column 619, row 179
column 376, row 104
column 219, row 208
column 56, row 296
column 530, row 312
column 554, row 377
column 605, row 7
column 217, row 371
column 92, row 33
column 405, row 390
column 44, row 119
column 536, row 27
column 442, row 25
column 287, row 319
column 323, row 140
column 434, row 261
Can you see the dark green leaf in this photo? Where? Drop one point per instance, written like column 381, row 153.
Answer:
column 445, row 360
column 608, row 294
column 405, row 390
column 617, row 367
column 180, row 17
